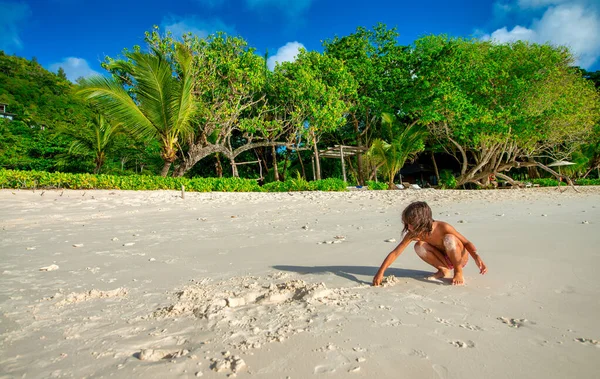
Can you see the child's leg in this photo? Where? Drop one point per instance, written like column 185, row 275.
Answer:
column 457, row 254
column 434, row 257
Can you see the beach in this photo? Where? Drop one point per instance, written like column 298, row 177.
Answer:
column 145, row 284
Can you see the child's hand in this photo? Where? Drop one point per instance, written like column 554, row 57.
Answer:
column 482, row 266
column 377, row 280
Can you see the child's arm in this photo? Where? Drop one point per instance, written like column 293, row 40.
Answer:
column 471, row 249
column 390, row 259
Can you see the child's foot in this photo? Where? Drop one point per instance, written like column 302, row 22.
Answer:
column 440, row 274
column 458, row 279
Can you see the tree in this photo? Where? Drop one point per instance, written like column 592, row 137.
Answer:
column 378, row 65
column 312, row 94
column 228, row 87
column 96, row 139
column 499, row 106
column 157, row 103
column 405, row 143
column 61, row 73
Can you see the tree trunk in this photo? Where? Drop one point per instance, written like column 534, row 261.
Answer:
column 234, row 170
column 287, row 157
column 301, row 164
column 275, row 168
column 532, row 172
column 218, row 166
column 316, row 152
column 435, row 168
column 165, row 169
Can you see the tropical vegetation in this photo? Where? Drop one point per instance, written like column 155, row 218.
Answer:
column 458, row 111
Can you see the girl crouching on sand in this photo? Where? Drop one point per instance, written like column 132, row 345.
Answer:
column 437, row 243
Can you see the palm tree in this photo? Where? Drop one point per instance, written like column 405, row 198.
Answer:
column 155, row 104
column 97, row 139
column 405, row 144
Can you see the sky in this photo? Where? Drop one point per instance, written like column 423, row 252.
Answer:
column 78, row 34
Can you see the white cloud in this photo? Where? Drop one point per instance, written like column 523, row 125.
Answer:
column 12, row 16
column 517, row 33
column 540, row 3
column 573, row 25
column 75, row 68
column 290, row 7
column 286, row 53
column 179, row 26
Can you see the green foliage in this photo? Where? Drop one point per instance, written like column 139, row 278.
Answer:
column 447, row 179
column 42, row 179
column 373, row 185
column 329, row 184
column 405, row 143
column 588, row 182
column 155, row 103
column 545, row 182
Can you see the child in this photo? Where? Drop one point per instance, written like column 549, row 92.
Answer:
column 437, row 243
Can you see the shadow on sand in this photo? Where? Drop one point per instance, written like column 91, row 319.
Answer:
column 349, row 272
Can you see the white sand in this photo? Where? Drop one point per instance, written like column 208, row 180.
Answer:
column 146, row 284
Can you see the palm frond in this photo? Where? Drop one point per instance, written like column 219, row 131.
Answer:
column 111, row 98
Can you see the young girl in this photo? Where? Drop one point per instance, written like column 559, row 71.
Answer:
column 437, row 243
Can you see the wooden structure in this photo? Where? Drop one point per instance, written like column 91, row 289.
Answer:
column 4, row 113
column 341, row 152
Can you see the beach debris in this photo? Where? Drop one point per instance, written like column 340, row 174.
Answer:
column 461, row 221
column 390, row 240
column 305, row 227
column 151, row 259
column 355, row 369
column 544, row 215
column 341, row 238
column 585, row 222
column 49, row 268
column 114, row 239
column 201, row 219
column 199, row 374
column 129, row 244
column 500, row 215
column 361, row 360
column 31, row 248
column 77, row 245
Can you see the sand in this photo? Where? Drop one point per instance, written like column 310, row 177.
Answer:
column 147, row 284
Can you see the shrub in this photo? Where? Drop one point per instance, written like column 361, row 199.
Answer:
column 329, row 184
column 373, row 185
column 447, row 179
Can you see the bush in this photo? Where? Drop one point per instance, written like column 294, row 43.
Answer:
column 447, row 179
column 373, row 185
column 329, row 184
column 42, row 179
column 588, row 182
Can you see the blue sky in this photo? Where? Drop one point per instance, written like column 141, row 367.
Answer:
column 77, row 34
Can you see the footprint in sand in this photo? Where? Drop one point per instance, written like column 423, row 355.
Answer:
column 441, row 371
column 471, row 327
column 513, row 322
column 462, row 344
column 442, row 321
column 588, row 341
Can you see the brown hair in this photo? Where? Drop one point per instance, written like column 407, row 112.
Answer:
column 418, row 215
